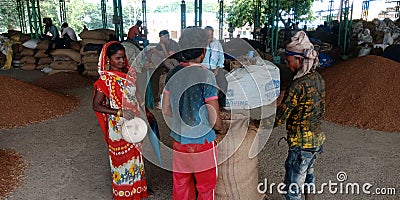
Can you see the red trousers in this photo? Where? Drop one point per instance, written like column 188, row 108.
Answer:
column 194, row 167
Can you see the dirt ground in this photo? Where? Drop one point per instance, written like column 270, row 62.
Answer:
column 66, row 157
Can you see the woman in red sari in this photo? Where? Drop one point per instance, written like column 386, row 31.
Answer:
column 127, row 164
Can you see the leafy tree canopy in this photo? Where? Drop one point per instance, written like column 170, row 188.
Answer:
column 242, row 12
column 176, row 6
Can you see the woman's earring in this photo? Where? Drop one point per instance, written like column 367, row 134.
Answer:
column 108, row 64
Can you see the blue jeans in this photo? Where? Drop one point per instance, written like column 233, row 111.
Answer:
column 145, row 41
column 299, row 167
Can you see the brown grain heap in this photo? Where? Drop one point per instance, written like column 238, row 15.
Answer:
column 11, row 166
column 63, row 80
column 364, row 92
column 22, row 103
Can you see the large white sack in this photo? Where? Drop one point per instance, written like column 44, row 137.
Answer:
column 253, row 86
column 31, row 44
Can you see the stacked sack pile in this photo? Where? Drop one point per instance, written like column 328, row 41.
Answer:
column 65, row 60
column 16, row 38
column 59, row 60
column 27, row 53
column 10, row 48
column 44, row 60
column 92, row 43
column 368, row 35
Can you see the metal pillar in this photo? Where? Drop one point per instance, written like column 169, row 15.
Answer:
column 345, row 25
column 221, row 19
column 35, row 22
column 144, row 20
column 257, row 16
column 117, row 20
column 21, row 15
column 198, row 11
column 104, row 13
column 273, row 30
column 183, row 14
column 365, row 8
column 330, row 9
column 63, row 11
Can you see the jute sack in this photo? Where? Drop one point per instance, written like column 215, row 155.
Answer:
column 238, row 175
column 28, row 66
column 92, row 66
column 61, row 58
column 67, row 52
column 55, row 71
column 47, row 60
column 64, row 65
column 93, row 34
column 90, row 73
column 25, row 37
column 76, row 46
column 42, row 45
column 42, row 66
column 41, row 54
column 92, row 41
column 27, row 52
column 83, row 53
column 106, row 31
column 28, row 59
column 90, row 58
column 91, row 49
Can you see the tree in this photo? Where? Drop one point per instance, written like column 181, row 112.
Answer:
column 242, row 12
column 176, row 6
column 8, row 15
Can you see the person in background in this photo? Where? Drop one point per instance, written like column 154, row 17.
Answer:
column 326, row 27
column 288, row 24
column 135, row 33
column 302, row 109
column 304, row 28
column 296, row 26
column 161, row 56
column 165, row 48
column 214, row 60
column 231, row 29
column 51, row 34
column 264, row 33
column 68, row 32
column 335, row 27
column 190, row 98
column 126, row 161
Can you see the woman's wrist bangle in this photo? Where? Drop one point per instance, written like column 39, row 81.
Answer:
column 119, row 113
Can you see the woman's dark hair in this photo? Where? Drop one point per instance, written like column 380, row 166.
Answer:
column 192, row 43
column 114, row 48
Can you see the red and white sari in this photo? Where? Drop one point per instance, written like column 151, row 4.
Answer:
column 127, row 164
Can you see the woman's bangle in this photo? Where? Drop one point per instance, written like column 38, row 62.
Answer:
column 119, row 113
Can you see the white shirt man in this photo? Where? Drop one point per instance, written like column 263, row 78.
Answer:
column 68, row 31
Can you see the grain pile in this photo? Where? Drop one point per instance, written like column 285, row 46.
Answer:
column 364, row 92
column 11, row 172
column 22, row 103
column 63, row 80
